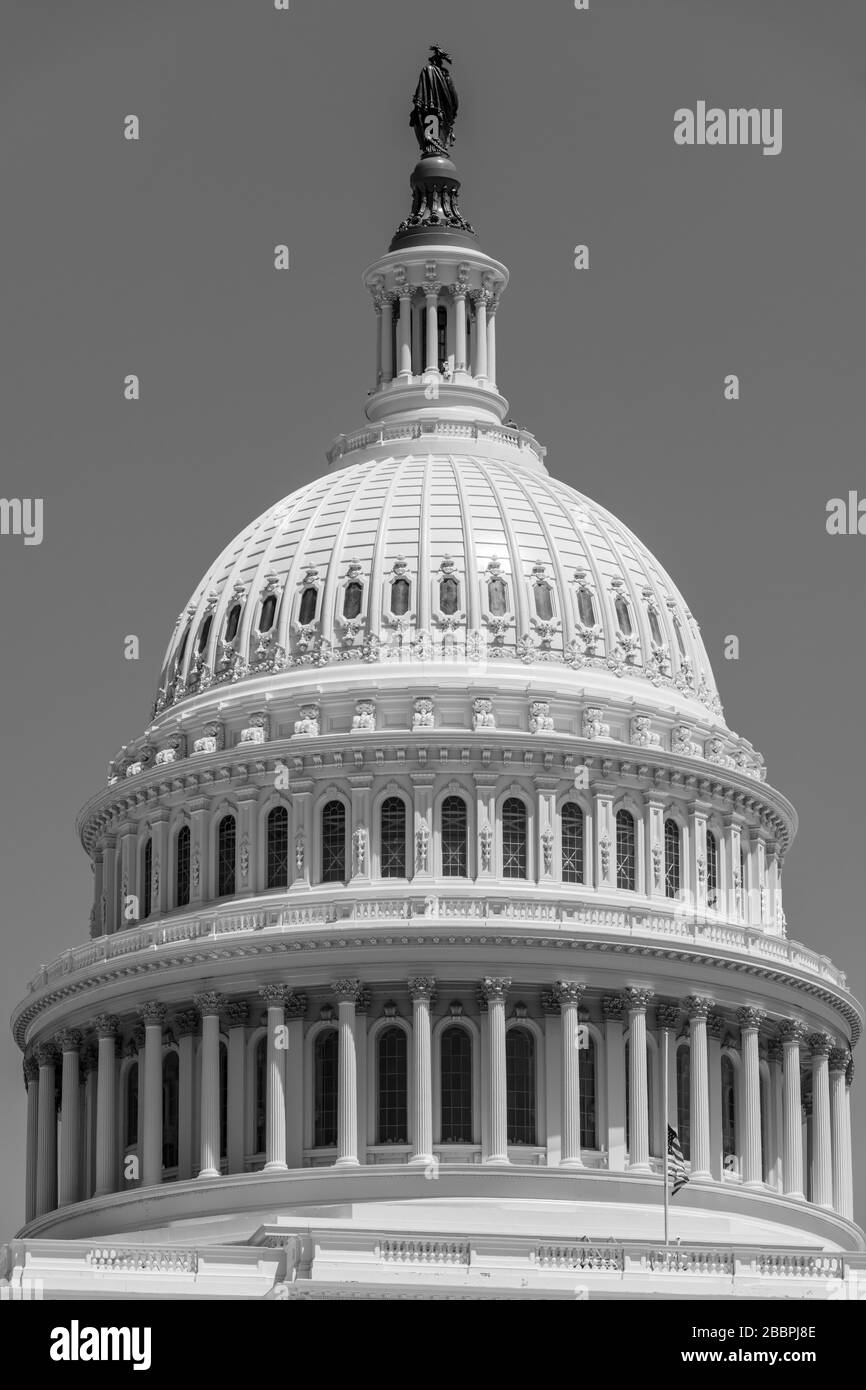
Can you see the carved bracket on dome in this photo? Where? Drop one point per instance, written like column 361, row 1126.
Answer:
column 422, row 713
column 258, row 730
column 641, row 734
column 211, row 740
column 307, row 725
column 540, row 721
column 593, row 726
column 482, row 714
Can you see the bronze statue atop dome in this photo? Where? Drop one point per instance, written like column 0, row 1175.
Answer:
column 434, row 105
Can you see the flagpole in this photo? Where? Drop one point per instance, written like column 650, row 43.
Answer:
column 665, row 1035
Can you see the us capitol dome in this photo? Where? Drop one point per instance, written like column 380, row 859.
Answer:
column 436, row 845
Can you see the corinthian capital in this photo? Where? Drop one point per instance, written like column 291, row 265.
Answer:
column 569, row 991
column 347, row 991
column 152, row 1012
column 68, row 1039
column 839, row 1058
column 698, row 1005
column 494, row 988
column 636, row 998
column 209, row 1002
column 820, row 1044
column 45, row 1054
column 106, row 1025
column 422, row 987
column 274, row 994
column 750, row 1018
column 792, row 1031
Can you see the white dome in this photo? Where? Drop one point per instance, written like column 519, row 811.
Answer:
column 425, row 517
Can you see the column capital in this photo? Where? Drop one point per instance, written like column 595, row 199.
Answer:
column 849, row 1072
column 237, row 1013
column 152, row 1012
column 698, row 1006
column 839, row 1058
column 791, row 1030
column 668, row 1015
column 209, row 1002
column 636, row 998
column 68, row 1039
column 612, row 1007
column 274, row 994
column 820, row 1044
column 105, row 1025
column 45, row 1054
column 549, row 1001
column 494, row 988
column 569, row 991
column 186, row 1023
column 296, row 1005
column 716, row 1025
column 422, row 987
column 347, row 991
column 749, row 1018
column 31, row 1068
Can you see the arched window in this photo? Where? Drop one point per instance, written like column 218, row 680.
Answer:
column 400, row 590
column 226, row 847
column 513, row 838
column 456, row 1071
column 131, row 1126
column 352, row 599
column 655, row 627
column 729, row 1115
column 170, row 1110
column 205, row 632
column 684, row 1100
column 269, row 608
column 455, row 856
column 623, row 616
column 572, row 843
column 260, row 1095
column 678, row 633
column 672, row 859
column 181, row 866
column 146, row 880
column 278, row 848
column 181, row 651
column 625, row 851
column 224, row 1100
column 520, row 1085
column 585, row 608
column 449, row 594
column 587, row 1080
column 712, row 870
column 309, row 601
column 497, row 596
column 392, row 1124
column 543, row 599
column 333, row 842
column 325, row 1089
column 392, row 838
column 232, row 622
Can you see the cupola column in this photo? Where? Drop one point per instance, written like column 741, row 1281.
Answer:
column 822, row 1163
column 386, row 324
column 431, row 299
column 569, row 994
column 491, row 346
column 106, row 1112
column 481, row 298
column 152, row 1015
column 750, row 1021
column 31, row 1081
column 636, row 1001
column 275, row 997
column 459, row 293
column 69, row 1042
column 46, row 1166
column 404, row 364
column 421, row 991
column 347, row 992
column 494, row 992
column 792, row 1034
column 699, row 1091
column 209, row 1006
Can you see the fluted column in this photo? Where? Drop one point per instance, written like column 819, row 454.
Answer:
column 569, row 994
column 697, row 1008
column 716, row 1030
column 750, row 1021
column 494, row 991
column 459, row 300
column 186, row 1025
column 404, row 365
column 88, row 1120
column 840, row 1140
column 792, row 1034
column 152, row 1015
column 275, row 1117
column 636, row 1000
column 615, row 1076
column 31, row 1081
column 46, row 1165
column 421, row 991
column 106, row 1112
column 209, row 1005
column 775, row 1053
column 347, row 993
column 822, row 1161
column 237, row 1016
column 481, row 301
column 69, row 1041
column 849, row 1190
column 491, row 345
column 295, row 1008
column 386, row 322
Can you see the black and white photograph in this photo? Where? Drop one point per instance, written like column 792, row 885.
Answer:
column 431, row 434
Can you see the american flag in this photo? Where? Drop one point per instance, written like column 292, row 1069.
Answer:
column 677, row 1165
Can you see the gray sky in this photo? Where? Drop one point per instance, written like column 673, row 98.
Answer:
column 261, row 127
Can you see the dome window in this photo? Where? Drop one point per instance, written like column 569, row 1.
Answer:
column 147, row 879
column 497, row 596
column 205, row 633
column 585, row 608
column 572, row 843
column 269, row 609
column 455, row 857
column 543, row 600
column 679, row 636
column 333, row 842
column 623, row 616
column 278, row 848
column 393, row 837
column 625, row 851
column 400, row 597
column 513, row 838
column 352, row 599
column 449, row 595
column 181, row 651
column 233, row 622
column 655, row 628
column 712, row 870
column 673, row 871
column 226, row 852
column 181, row 866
